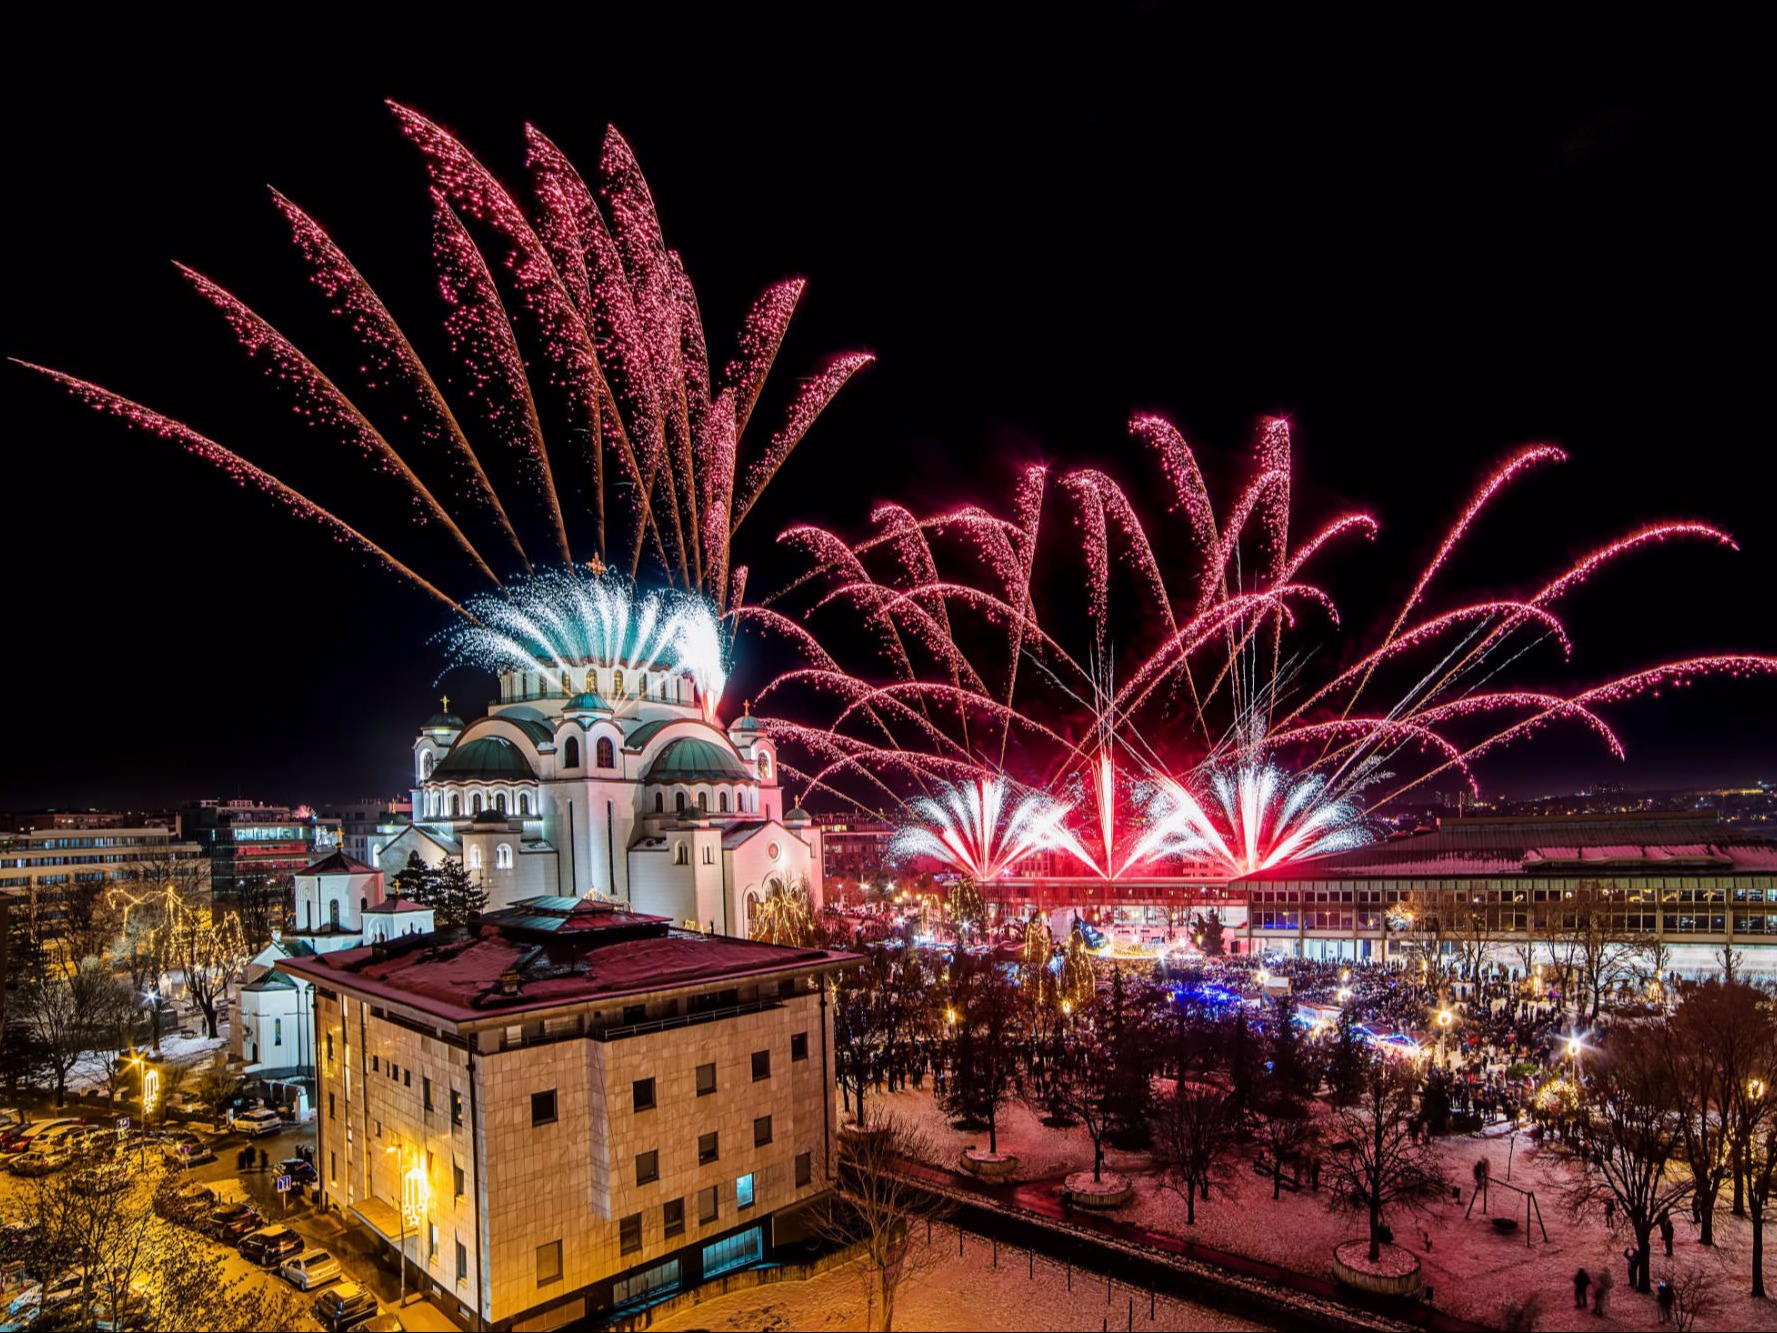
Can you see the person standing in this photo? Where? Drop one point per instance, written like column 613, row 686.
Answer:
column 1581, row 1281
column 1601, row 1291
column 1667, row 1297
column 1666, row 1230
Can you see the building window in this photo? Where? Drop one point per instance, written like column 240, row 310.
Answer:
column 647, row 1167
column 706, row 1079
column 761, row 1065
column 376, row 1064
column 426, row 1092
column 629, row 1234
column 607, row 753
column 329, row 1048
column 456, row 1107
column 425, row 766
column 503, row 856
column 475, row 803
column 549, row 1263
column 524, row 803
column 659, row 803
column 743, row 1192
column 570, row 753
column 708, row 1148
column 432, row 1240
column 703, row 802
column 672, row 1214
column 761, row 1131
column 679, row 802
column 617, row 683
column 706, row 1205
column 456, row 805
column 462, row 1262
column 500, row 802
column 331, row 1113
column 407, row 1078
column 277, row 1032
column 799, row 1046
column 722, row 802
column 642, row 1090
column 475, row 852
column 333, row 913
column 804, row 1168
column 543, row 1107
column 456, row 1179
column 709, row 856
column 764, row 767
column 679, row 857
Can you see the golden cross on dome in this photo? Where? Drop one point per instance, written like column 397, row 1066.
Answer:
column 446, row 702
column 596, row 565
column 747, row 707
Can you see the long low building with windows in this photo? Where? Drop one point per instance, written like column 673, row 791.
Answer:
column 571, row 1107
column 1684, row 880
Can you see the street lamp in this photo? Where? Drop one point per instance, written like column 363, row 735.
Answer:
column 1445, row 1019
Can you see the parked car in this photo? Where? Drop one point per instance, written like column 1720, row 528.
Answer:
column 261, row 1120
column 188, row 1204
column 41, row 1160
column 314, row 1268
column 344, row 1306
column 232, row 1221
column 92, row 1139
column 184, row 1106
column 22, row 1137
column 131, row 1309
column 185, row 1148
column 41, row 1299
column 386, row 1322
column 299, row 1169
column 10, row 1118
column 269, row 1246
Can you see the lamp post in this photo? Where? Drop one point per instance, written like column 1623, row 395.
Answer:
column 1445, row 1019
column 411, row 1183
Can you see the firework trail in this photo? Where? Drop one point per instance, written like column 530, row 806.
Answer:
column 576, row 308
column 1269, row 754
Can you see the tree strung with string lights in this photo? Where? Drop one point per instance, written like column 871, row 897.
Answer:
column 206, row 946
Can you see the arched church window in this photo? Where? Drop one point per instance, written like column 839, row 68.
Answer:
column 764, row 767
column 500, row 802
column 475, row 858
column 524, row 803
column 425, row 766
column 679, row 801
column 679, row 854
column 570, row 753
column 617, row 683
column 709, row 856
column 277, row 1032
column 722, row 802
column 607, row 753
column 703, row 802
column 567, row 683
column 475, row 803
column 642, row 686
column 503, row 856
column 363, row 904
column 456, row 805
column 659, row 802
column 333, row 913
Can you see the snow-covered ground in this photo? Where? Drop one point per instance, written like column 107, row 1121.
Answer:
column 1474, row 1271
column 88, row 1074
column 955, row 1292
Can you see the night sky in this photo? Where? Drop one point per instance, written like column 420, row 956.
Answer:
column 1421, row 270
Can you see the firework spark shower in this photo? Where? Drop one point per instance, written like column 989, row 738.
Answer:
column 1236, row 728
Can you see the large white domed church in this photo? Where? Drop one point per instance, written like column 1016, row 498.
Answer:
column 599, row 778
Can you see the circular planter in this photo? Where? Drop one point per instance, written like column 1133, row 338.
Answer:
column 1110, row 1191
column 1395, row 1274
column 987, row 1165
column 865, row 1136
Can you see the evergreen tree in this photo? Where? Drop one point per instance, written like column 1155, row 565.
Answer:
column 1347, row 1061
column 410, row 880
column 1434, row 1102
column 1288, row 1069
column 967, row 911
column 1128, row 1088
column 455, row 898
column 1241, row 1063
column 1210, row 933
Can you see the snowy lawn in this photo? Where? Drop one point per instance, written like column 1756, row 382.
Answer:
column 954, row 1292
column 88, row 1074
column 1474, row 1271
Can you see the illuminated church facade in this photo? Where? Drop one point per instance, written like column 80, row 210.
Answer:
column 606, row 780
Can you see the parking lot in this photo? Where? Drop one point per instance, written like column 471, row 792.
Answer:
column 356, row 1251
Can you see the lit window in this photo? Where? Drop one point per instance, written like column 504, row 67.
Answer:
column 503, row 856
column 743, row 1191
column 475, row 852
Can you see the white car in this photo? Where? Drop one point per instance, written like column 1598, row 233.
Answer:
column 260, row 1120
column 311, row 1270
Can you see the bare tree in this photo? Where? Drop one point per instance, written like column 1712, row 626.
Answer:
column 1629, row 1142
column 1714, row 1041
column 1377, row 1162
column 1073, row 1089
column 1194, row 1127
column 206, row 947
column 64, row 1008
column 883, row 1212
column 138, row 1270
column 1754, row 1113
column 1595, row 952
column 1693, row 1295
